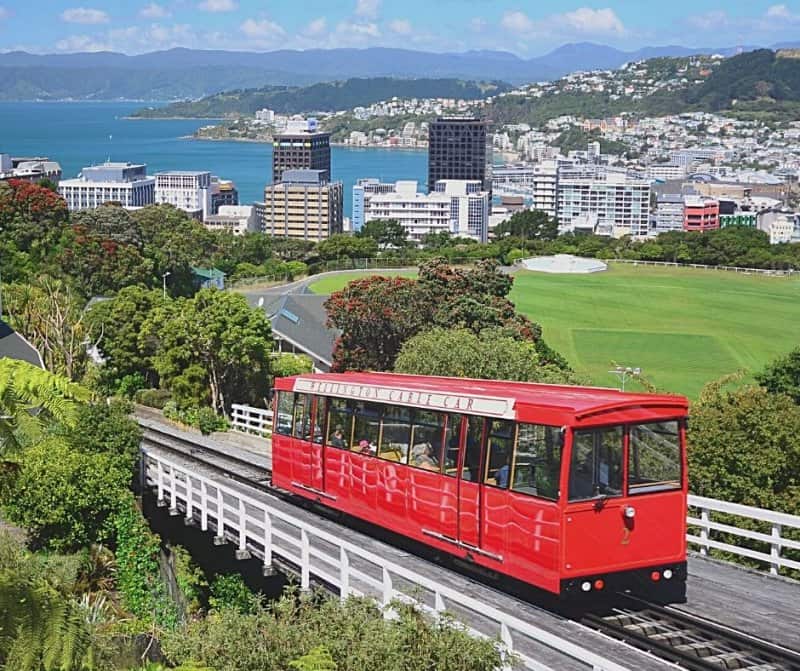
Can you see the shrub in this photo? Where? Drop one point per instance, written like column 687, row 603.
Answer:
column 229, row 592
column 153, row 398
column 128, row 385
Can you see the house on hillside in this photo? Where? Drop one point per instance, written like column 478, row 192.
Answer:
column 14, row 346
column 298, row 326
column 205, row 278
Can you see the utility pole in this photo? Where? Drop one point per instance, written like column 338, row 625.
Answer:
column 624, row 371
column 164, row 282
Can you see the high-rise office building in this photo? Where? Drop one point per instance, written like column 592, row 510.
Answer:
column 304, row 206
column 460, row 148
column 301, row 148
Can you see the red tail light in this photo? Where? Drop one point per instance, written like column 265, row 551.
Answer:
column 655, row 576
column 599, row 584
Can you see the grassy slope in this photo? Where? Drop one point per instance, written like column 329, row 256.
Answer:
column 682, row 327
column 331, row 283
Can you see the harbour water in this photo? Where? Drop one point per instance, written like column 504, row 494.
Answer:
column 80, row 134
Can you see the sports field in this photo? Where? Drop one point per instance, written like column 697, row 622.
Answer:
column 682, row 327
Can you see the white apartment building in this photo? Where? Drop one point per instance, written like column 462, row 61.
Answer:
column 457, row 206
column 418, row 213
column 123, row 183
column 545, row 188
column 188, row 190
column 621, row 204
column 235, row 219
column 665, row 171
column 669, row 213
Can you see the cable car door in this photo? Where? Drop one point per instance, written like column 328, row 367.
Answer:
column 469, row 496
column 307, row 468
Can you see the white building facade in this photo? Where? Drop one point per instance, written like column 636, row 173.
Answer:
column 620, row 203
column 189, row 191
column 123, row 183
column 235, row 219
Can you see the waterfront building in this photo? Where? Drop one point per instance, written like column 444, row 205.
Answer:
column 305, row 206
column 460, row 148
column 700, row 213
column 29, row 169
column 188, row 190
column 669, row 213
column 469, row 207
column 418, row 213
column 301, row 148
column 235, row 219
column 622, row 204
column 123, row 183
column 223, row 192
column 363, row 190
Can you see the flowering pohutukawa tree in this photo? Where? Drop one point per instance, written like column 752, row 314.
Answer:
column 376, row 315
column 32, row 217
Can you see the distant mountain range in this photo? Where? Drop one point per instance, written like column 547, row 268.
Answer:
column 188, row 73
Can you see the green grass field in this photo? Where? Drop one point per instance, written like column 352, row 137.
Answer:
column 682, row 327
column 331, row 283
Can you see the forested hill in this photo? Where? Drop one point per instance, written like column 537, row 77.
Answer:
column 325, row 97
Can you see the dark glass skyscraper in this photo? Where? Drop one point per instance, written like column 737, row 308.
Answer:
column 460, row 148
column 301, row 151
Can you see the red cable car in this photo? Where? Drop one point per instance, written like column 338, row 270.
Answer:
column 575, row 490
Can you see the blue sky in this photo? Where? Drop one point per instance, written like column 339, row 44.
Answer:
column 525, row 27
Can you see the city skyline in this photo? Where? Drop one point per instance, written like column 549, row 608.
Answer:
column 525, row 28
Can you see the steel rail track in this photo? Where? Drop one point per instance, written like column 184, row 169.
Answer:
column 689, row 641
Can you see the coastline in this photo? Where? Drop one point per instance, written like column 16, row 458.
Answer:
column 333, row 144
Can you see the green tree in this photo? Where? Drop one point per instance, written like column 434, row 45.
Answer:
column 286, row 365
column 215, row 338
column 65, row 498
column 115, row 326
column 744, row 447
column 109, row 222
column 51, row 315
column 528, row 225
column 32, row 218
column 347, row 246
column 386, row 232
column 106, row 428
column 782, row 376
column 31, row 400
column 491, row 355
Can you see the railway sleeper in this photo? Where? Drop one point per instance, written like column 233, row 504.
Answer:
column 649, row 628
column 704, row 648
column 676, row 637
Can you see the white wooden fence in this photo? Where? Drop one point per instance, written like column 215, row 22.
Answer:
column 731, row 269
column 238, row 514
column 700, row 521
column 247, row 419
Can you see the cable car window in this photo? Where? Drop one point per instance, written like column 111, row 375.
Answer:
column 654, row 457
column 285, row 411
column 537, row 460
column 596, row 469
column 319, row 420
column 302, row 417
column 367, row 427
column 452, row 440
column 426, row 440
column 340, row 423
column 472, row 454
column 396, row 434
column 499, row 453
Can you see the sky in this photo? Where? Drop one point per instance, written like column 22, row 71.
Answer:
column 525, row 27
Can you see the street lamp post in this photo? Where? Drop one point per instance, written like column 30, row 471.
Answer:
column 164, row 282
column 624, row 371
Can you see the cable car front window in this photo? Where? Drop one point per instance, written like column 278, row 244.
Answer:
column 596, row 468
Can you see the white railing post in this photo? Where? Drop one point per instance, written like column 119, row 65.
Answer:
column 344, row 573
column 189, row 497
column 242, row 527
column 267, row 541
column 160, row 480
column 203, row 505
column 387, row 586
column 220, row 516
column 775, row 549
column 173, row 494
column 704, row 518
column 305, row 561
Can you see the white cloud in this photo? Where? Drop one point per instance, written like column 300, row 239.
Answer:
column 400, row 26
column 713, row 19
column 153, row 11
column 356, row 32
column 517, row 22
column 218, row 5
column 75, row 43
column 594, row 21
column 262, row 32
column 85, row 16
column 316, row 27
column 368, row 8
column 778, row 12
column 577, row 23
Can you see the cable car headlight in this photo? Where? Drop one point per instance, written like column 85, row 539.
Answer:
column 586, row 586
column 667, row 573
